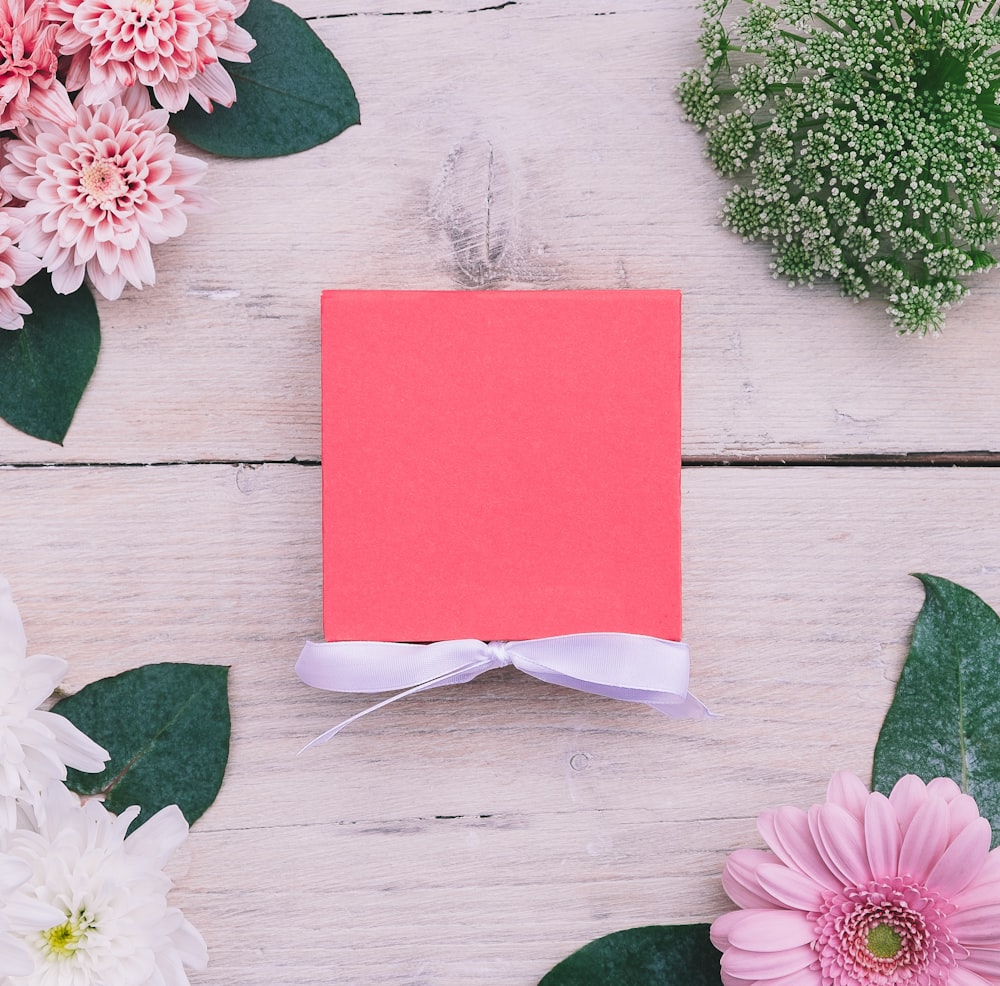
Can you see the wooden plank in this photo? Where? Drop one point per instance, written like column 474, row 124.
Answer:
column 478, row 834
column 534, row 146
column 517, row 10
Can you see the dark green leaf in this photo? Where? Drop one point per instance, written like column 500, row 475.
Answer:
column 291, row 96
column 45, row 367
column 659, row 955
column 166, row 727
column 943, row 719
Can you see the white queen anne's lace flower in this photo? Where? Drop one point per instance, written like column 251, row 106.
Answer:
column 115, row 926
column 36, row 746
column 862, row 137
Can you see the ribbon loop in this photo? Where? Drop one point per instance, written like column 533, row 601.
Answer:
column 626, row 666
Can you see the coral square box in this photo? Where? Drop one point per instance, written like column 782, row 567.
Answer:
column 500, row 464
column 497, row 466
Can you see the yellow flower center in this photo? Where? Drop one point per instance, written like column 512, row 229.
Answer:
column 884, row 942
column 103, row 181
column 62, row 940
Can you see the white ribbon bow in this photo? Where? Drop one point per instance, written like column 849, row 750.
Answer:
column 627, row 666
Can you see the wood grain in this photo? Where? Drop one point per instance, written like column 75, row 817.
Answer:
column 533, row 145
column 478, row 834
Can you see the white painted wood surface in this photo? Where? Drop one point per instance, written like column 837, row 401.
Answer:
column 479, row 834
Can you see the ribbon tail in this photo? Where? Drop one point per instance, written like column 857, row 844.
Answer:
column 688, row 708
column 472, row 669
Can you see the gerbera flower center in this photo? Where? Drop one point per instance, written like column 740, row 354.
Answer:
column 888, row 932
column 62, row 940
column 103, row 181
column 884, row 942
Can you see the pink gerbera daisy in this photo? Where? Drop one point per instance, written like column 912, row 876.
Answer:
column 99, row 193
column 172, row 46
column 866, row 891
column 28, row 62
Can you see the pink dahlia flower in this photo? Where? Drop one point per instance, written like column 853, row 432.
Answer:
column 172, row 46
column 97, row 195
column 16, row 266
column 866, row 891
column 28, row 61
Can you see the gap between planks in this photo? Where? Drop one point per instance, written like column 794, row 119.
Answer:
column 920, row 460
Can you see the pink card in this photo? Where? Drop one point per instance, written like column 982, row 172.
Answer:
column 500, row 464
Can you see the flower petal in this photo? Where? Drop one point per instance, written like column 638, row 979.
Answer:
column 13, row 872
column 13, row 644
column 803, row 977
column 841, row 839
column 794, row 844
column 14, row 958
column 985, row 961
column 767, row 965
column 977, row 925
column 771, row 931
column 962, row 860
column 160, row 836
column 925, row 840
column 76, row 748
column 739, row 878
column 882, row 836
column 985, row 888
column 848, row 791
column 961, row 811
column 790, row 887
column 906, row 797
column 719, row 932
column 728, row 980
column 960, row 976
column 191, row 948
column 944, row 788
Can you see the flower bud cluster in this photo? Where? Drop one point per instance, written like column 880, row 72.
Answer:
column 863, row 138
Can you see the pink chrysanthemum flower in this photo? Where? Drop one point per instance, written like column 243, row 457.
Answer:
column 16, row 265
column 866, row 891
column 28, row 62
column 99, row 193
column 172, row 46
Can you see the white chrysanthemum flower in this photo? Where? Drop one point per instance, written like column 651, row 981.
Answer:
column 18, row 918
column 36, row 746
column 115, row 926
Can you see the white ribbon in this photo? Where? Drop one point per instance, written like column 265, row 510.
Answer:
column 626, row 666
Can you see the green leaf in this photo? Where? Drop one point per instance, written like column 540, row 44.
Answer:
column 291, row 96
column 45, row 367
column 659, row 955
column 166, row 727
column 943, row 719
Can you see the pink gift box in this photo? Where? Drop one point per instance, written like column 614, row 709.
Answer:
column 500, row 465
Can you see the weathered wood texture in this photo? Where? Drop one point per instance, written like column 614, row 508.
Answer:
column 535, row 144
column 478, row 834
